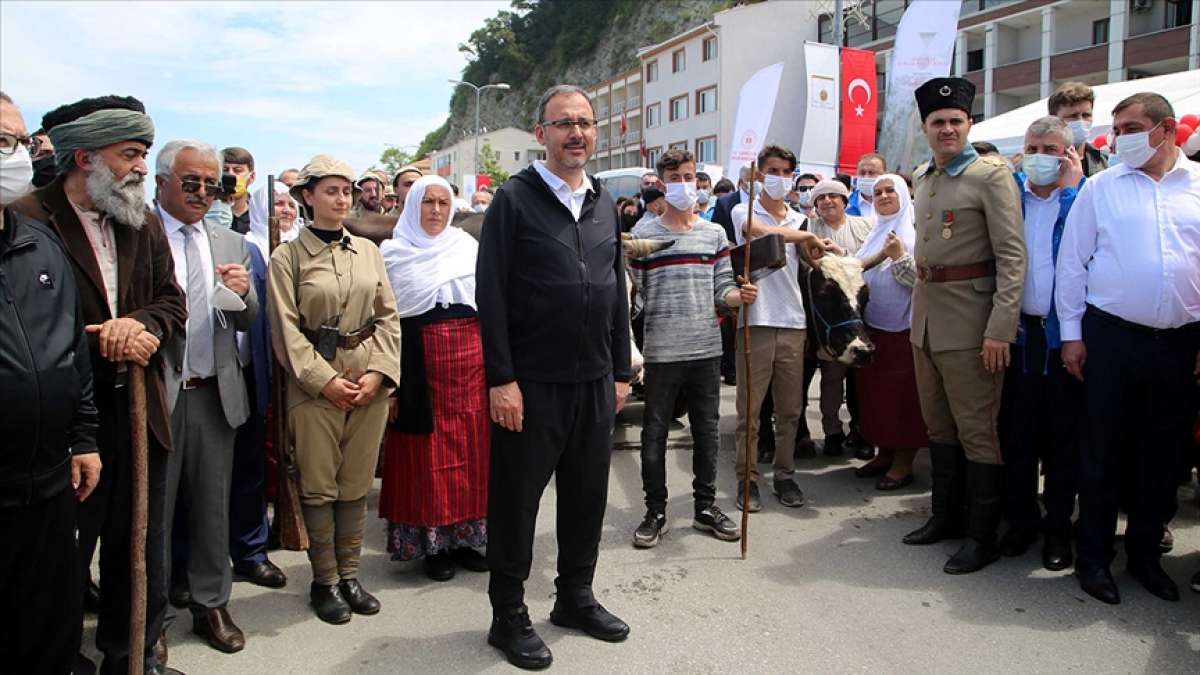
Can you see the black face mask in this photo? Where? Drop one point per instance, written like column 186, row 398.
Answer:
column 43, row 171
column 628, row 220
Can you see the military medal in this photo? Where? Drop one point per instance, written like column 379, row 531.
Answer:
column 947, row 223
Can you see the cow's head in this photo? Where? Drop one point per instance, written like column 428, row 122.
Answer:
column 835, row 296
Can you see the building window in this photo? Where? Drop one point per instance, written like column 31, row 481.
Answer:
column 678, row 61
column 653, row 115
column 516, row 155
column 1178, row 13
column 974, row 60
column 680, row 145
column 1100, row 31
column 652, row 71
column 654, row 155
column 706, row 149
column 709, row 49
column 679, row 108
column 706, row 100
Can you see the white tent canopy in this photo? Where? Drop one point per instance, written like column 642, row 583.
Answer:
column 1007, row 131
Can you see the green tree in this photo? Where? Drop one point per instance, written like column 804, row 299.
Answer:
column 393, row 159
column 489, row 164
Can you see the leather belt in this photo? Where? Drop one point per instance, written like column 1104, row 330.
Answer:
column 943, row 273
column 197, row 382
column 345, row 340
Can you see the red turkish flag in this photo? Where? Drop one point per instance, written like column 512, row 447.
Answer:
column 624, row 124
column 859, row 101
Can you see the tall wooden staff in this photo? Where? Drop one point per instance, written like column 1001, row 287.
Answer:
column 750, row 460
column 292, row 534
column 139, row 441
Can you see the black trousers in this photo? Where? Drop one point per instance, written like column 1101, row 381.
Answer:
column 1040, row 413
column 106, row 516
column 247, row 491
column 1139, row 386
column 567, row 432
column 41, row 592
column 700, row 383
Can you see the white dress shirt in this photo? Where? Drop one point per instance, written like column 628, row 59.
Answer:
column 866, row 209
column 1131, row 248
column 178, row 242
column 779, row 303
column 1040, row 215
column 572, row 199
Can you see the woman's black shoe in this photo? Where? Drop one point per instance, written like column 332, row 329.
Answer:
column 887, row 484
column 328, row 603
column 469, row 559
column 360, row 601
column 439, row 567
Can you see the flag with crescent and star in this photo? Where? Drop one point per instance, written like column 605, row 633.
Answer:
column 859, row 104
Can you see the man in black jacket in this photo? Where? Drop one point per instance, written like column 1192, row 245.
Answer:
column 48, row 455
column 555, row 322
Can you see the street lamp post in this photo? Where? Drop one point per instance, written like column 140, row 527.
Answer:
column 479, row 90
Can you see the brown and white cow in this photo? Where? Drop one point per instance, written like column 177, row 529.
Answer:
column 835, row 296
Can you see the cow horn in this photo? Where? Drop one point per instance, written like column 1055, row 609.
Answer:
column 640, row 248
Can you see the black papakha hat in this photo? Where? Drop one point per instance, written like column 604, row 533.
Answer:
column 945, row 92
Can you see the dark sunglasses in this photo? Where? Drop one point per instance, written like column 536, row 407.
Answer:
column 192, row 186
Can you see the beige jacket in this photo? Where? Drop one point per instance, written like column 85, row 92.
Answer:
column 333, row 281
column 976, row 199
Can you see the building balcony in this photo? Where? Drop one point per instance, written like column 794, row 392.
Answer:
column 1075, row 63
column 633, row 137
column 602, row 144
column 1157, row 46
column 602, row 111
column 1017, row 74
column 634, row 102
column 618, row 107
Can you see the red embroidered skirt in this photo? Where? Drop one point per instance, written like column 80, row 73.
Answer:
column 889, row 408
column 441, row 478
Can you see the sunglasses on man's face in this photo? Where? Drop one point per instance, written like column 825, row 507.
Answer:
column 193, row 185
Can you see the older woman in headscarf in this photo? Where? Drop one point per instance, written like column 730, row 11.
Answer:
column 247, row 495
column 436, row 463
column 890, row 410
column 335, row 332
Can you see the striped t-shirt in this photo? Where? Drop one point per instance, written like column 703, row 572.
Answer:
column 680, row 288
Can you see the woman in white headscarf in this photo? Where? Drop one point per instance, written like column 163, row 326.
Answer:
column 889, row 409
column 435, row 469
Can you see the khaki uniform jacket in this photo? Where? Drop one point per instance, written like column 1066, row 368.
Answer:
column 976, row 199
column 333, row 281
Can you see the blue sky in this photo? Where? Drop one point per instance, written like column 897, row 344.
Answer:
column 286, row 80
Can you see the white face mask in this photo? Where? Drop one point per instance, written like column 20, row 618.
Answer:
column 16, row 174
column 1041, row 169
column 866, row 187
column 224, row 300
column 220, row 214
column 703, row 196
column 682, row 196
column 1079, row 130
column 805, row 198
column 776, row 187
column 1134, row 149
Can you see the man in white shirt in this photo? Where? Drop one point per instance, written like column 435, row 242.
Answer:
column 1039, row 410
column 1128, row 297
column 870, row 166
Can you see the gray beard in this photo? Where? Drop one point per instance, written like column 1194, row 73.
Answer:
column 124, row 201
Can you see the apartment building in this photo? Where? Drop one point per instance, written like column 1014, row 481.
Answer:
column 618, row 103
column 682, row 84
column 514, row 148
column 1018, row 51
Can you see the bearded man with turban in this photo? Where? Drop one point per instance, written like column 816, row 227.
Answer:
column 131, row 304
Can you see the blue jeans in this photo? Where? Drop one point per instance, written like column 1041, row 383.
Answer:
column 699, row 382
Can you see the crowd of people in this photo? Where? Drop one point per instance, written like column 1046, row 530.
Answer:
column 1005, row 313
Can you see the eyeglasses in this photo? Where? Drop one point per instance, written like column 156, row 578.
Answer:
column 192, row 186
column 584, row 124
column 10, row 142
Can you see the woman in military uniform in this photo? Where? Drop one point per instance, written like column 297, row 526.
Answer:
column 335, row 330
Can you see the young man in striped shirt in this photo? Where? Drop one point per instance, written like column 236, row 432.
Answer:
column 680, row 286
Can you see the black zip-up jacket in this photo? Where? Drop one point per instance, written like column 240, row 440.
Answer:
column 46, row 410
column 551, row 291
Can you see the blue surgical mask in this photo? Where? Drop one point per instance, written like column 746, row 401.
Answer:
column 219, row 213
column 1041, row 169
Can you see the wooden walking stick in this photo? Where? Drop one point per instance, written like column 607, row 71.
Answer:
column 293, row 536
column 139, row 442
column 750, row 459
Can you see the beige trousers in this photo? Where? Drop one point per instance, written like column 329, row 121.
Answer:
column 960, row 401
column 336, row 451
column 777, row 361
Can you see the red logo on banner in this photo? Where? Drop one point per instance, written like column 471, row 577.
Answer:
column 859, row 107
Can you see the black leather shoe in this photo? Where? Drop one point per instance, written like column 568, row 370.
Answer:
column 755, row 501
column 1098, row 582
column 834, row 445
column 265, row 574
column 83, row 666
column 592, row 619
column 513, row 634
column 1056, row 552
column 972, row 557
column 91, row 597
column 805, row 448
column 469, row 559
column 934, row 530
column 218, row 628
column 328, row 603
column 1154, row 578
column 439, row 567
column 360, row 601
column 180, row 597
column 1017, row 541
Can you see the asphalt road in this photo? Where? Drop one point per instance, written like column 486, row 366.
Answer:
column 827, row 588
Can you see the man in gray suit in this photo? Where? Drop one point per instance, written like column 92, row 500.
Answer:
column 206, row 393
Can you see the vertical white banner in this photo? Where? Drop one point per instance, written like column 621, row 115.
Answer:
column 822, row 72
column 756, row 104
column 924, row 48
